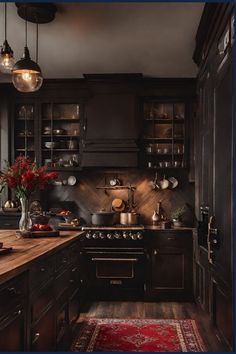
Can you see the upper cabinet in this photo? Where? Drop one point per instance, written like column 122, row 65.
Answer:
column 164, row 134
column 48, row 132
column 60, row 134
column 24, row 129
column 113, row 120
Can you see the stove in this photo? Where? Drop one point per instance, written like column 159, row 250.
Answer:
column 114, row 232
column 114, row 260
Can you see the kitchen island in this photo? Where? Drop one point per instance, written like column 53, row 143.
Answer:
column 40, row 292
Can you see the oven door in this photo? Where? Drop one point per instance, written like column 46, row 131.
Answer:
column 119, row 268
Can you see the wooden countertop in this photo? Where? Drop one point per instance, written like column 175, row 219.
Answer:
column 27, row 250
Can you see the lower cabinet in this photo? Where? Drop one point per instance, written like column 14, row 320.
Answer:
column 170, row 266
column 42, row 332
column 13, row 300
column 12, row 331
column 38, row 309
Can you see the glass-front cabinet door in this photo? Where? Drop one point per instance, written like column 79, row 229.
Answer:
column 24, row 130
column 163, row 139
column 60, row 135
column 47, row 132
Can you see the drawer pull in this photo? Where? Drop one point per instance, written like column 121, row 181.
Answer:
column 73, row 270
column 12, row 290
column 7, row 224
column 64, row 260
column 42, row 270
column 36, row 337
column 71, row 280
column 171, row 238
column 155, row 252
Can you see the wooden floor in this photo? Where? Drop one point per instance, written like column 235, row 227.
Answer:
column 173, row 310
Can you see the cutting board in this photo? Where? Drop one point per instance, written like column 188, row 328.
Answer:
column 53, row 233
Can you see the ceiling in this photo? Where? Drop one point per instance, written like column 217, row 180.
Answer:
column 156, row 39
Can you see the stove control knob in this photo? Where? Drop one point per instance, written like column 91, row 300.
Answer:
column 101, row 235
column 117, row 235
column 95, row 235
column 139, row 235
column 133, row 236
column 110, row 236
column 88, row 235
column 125, row 235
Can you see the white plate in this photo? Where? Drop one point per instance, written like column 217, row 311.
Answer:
column 71, row 180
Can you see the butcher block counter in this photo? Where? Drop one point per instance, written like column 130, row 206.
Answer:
column 27, row 250
column 41, row 291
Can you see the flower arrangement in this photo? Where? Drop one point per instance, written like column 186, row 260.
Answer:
column 25, row 177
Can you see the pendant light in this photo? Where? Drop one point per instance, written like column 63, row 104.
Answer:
column 6, row 56
column 26, row 74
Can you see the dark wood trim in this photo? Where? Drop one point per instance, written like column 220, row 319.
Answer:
column 213, row 19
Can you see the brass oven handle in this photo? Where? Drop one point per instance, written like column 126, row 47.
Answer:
column 116, row 259
column 211, row 240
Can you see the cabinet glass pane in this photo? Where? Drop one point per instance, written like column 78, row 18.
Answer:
column 24, row 135
column 164, row 134
column 60, row 134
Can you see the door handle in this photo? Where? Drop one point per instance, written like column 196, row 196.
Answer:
column 211, row 239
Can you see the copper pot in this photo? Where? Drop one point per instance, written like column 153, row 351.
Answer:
column 129, row 218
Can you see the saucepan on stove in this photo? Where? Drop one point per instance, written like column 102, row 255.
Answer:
column 103, row 218
column 129, row 218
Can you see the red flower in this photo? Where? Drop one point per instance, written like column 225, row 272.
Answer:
column 11, row 181
column 52, row 175
column 27, row 178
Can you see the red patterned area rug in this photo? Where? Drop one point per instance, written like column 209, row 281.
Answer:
column 138, row 335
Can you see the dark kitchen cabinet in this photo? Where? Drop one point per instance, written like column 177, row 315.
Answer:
column 48, row 132
column 214, row 167
column 111, row 127
column 13, row 302
column 170, row 265
column 42, row 333
column 164, row 134
column 25, row 129
column 56, row 298
column 9, row 220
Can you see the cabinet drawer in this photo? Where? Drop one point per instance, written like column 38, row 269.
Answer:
column 74, row 252
column 9, row 222
column 41, row 272
column 62, row 259
column 12, row 294
column 42, row 300
column 42, row 334
column 12, row 331
column 62, row 283
column 172, row 240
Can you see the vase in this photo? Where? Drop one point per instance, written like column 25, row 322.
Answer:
column 25, row 222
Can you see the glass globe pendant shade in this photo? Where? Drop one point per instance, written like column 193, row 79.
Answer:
column 26, row 74
column 6, row 58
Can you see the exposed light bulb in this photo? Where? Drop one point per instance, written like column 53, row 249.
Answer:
column 26, row 74
column 6, row 58
column 27, row 81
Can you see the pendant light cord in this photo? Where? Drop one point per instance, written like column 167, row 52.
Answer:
column 5, row 20
column 26, row 33
column 37, row 40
